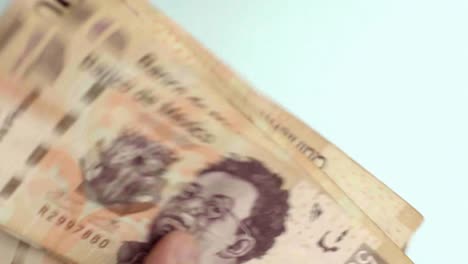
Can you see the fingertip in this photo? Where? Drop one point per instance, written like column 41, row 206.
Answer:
column 175, row 248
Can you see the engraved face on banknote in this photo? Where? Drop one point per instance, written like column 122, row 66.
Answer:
column 127, row 173
column 235, row 209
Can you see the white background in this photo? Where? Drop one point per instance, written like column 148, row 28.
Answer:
column 386, row 81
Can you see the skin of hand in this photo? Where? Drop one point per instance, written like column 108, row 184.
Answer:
column 175, row 248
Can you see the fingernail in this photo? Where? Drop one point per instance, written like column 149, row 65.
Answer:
column 188, row 252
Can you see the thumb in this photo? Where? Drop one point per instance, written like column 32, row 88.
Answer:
column 175, row 248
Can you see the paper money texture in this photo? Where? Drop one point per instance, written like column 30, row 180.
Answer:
column 116, row 128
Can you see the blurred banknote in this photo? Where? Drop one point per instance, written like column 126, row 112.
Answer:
column 116, row 128
column 17, row 252
column 391, row 213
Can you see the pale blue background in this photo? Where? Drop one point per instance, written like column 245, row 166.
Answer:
column 385, row 80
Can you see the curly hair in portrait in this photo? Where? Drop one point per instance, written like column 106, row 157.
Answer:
column 268, row 216
column 127, row 172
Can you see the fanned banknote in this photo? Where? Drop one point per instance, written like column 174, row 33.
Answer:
column 111, row 139
column 394, row 215
column 17, row 252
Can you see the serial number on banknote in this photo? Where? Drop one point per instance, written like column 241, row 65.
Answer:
column 71, row 226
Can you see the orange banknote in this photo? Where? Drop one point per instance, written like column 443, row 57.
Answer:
column 112, row 139
column 390, row 212
column 17, row 252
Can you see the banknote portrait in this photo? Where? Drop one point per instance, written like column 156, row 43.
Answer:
column 235, row 209
column 126, row 174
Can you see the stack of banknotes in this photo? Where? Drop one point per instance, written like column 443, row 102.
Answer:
column 117, row 127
